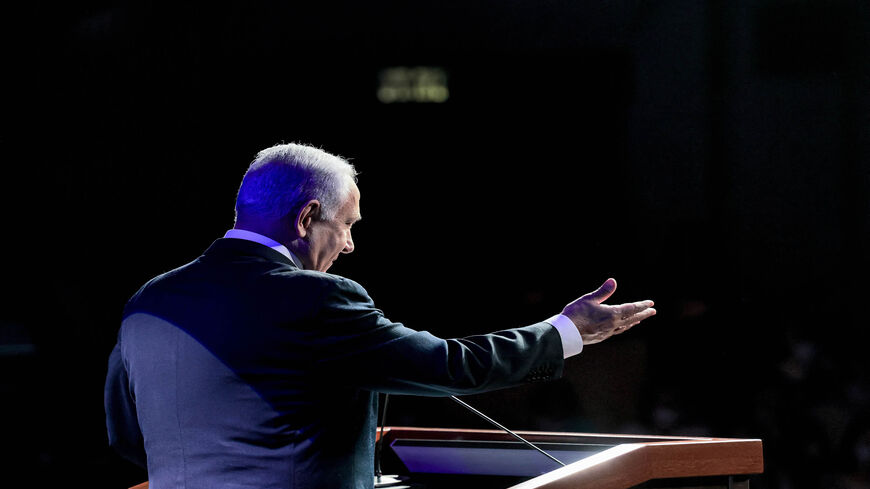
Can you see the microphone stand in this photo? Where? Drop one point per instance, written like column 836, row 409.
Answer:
column 380, row 479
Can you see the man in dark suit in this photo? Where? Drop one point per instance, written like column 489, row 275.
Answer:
column 253, row 367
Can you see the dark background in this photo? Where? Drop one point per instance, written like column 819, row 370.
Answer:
column 710, row 155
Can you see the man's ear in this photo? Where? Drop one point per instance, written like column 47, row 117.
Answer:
column 309, row 213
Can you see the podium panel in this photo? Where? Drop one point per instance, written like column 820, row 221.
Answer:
column 456, row 458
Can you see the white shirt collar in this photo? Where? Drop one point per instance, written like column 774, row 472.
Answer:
column 263, row 240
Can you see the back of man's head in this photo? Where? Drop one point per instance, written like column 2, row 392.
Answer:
column 285, row 177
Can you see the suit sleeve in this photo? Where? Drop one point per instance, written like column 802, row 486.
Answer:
column 121, row 420
column 369, row 351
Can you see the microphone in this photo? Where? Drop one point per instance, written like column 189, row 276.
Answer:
column 499, row 426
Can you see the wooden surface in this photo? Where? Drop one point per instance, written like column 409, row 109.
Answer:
column 625, row 461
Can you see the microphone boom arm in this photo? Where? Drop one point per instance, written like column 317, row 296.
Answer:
column 494, row 423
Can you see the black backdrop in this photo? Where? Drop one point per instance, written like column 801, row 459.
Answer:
column 712, row 157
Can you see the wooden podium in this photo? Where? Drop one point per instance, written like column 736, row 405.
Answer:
column 434, row 458
column 455, row 458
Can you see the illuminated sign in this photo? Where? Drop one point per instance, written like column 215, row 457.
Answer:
column 412, row 84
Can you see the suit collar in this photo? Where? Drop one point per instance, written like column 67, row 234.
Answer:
column 263, row 240
column 243, row 247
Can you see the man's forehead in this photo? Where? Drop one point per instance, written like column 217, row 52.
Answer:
column 353, row 201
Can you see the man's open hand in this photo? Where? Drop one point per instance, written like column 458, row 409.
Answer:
column 597, row 321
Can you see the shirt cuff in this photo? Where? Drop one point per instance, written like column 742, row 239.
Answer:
column 572, row 342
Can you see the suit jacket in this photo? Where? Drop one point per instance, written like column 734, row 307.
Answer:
column 240, row 370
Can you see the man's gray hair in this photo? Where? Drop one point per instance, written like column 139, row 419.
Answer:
column 285, row 177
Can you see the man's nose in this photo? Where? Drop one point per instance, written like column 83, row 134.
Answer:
column 348, row 246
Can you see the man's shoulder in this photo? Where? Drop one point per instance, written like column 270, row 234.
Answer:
column 324, row 281
column 274, row 284
column 310, row 293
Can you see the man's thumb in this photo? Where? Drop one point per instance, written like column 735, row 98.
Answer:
column 604, row 292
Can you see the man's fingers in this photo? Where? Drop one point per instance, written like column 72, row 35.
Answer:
column 646, row 313
column 634, row 320
column 603, row 292
column 629, row 315
column 625, row 311
column 638, row 317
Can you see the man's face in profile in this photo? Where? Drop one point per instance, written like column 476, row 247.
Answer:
column 329, row 239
